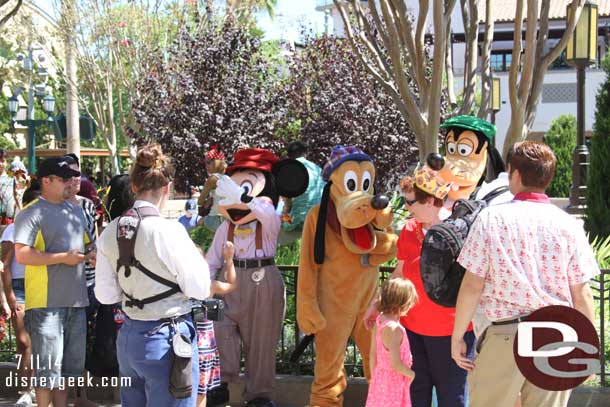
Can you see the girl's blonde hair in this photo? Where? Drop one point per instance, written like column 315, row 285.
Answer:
column 397, row 294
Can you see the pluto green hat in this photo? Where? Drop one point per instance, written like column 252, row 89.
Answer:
column 471, row 123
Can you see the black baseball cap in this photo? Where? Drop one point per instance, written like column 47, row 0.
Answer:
column 58, row 166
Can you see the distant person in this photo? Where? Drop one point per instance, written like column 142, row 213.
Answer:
column 215, row 166
column 295, row 210
column 7, row 197
column 191, row 219
column 13, row 279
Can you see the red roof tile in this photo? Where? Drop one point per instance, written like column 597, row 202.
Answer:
column 504, row 10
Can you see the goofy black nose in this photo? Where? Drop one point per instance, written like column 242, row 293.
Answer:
column 380, row 201
column 435, row 161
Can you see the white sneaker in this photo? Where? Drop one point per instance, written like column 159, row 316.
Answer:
column 26, row 399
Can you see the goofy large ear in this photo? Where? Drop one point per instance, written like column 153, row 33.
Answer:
column 320, row 237
column 495, row 164
column 291, row 178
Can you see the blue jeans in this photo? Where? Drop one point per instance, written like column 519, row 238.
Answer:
column 434, row 368
column 146, row 359
column 58, row 343
column 19, row 289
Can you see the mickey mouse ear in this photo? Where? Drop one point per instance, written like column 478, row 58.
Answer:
column 291, row 177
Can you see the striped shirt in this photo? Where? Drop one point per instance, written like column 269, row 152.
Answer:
column 91, row 218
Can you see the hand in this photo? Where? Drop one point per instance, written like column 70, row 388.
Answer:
column 228, row 250
column 458, row 353
column 370, row 316
column 91, row 258
column 229, row 192
column 12, row 302
column 6, row 309
column 74, row 257
column 312, row 325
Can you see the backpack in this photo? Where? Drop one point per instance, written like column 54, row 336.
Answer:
column 441, row 274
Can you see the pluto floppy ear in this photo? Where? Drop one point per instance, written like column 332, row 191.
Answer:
column 320, row 238
column 291, row 178
column 495, row 164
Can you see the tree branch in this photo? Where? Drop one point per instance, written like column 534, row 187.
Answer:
column 486, row 65
column 12, row 13
column 530, row 52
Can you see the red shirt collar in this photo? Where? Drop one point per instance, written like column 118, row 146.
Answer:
column 532, row 197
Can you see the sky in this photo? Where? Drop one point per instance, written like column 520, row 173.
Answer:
column 290, row 17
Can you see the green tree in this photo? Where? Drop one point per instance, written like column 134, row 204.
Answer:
column 561, row 137
column 598, row 187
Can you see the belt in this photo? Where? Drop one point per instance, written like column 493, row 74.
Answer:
column 510, row 321
column 253, row 263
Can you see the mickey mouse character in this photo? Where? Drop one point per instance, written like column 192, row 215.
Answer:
column 254, row 312
column 470, row 156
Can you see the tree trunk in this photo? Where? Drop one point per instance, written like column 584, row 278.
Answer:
column 449, row 67
column 470, row 18
column 72, row 114
column 486, row 84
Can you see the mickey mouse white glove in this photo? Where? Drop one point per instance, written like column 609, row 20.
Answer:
column 229, row 192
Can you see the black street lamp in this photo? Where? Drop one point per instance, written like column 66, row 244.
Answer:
column 581, row 52
column 48, row 105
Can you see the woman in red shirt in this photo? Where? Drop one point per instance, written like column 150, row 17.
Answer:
column 429, row 325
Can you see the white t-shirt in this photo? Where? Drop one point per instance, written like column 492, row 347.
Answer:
column 17, row 269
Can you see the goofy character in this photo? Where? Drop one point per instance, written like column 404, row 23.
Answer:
column 254, row 312
column 470, row 156
column 345, row 239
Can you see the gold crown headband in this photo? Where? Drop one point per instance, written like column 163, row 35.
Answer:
column 428, row 181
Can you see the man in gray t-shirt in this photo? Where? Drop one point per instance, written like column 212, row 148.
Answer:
column 50, row 238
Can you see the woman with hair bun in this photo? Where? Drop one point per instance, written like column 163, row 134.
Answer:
column 150, row 265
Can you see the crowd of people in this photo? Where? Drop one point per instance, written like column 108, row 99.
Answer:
column 144, row 287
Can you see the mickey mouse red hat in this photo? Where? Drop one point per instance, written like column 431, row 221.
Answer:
column 253, row 158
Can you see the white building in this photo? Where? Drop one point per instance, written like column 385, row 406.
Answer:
column 559, row 90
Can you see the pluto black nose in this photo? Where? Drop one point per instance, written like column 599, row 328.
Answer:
column 435, row 161
column 380, row 201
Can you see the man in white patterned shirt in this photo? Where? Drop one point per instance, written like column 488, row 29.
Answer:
column 520, row 256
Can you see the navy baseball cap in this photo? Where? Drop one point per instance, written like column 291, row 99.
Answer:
column 58, row 166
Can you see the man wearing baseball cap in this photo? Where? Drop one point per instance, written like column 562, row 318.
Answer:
column 50, row 239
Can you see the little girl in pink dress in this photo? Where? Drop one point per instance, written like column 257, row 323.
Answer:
column 390, row 352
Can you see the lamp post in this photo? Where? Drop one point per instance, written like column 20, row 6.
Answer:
column 581, row 52
column 48, row 105
column 495, row 100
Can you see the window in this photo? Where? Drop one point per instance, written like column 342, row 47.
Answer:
column 497, row 62
column 500, row 61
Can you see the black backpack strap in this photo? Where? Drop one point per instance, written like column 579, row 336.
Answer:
column 495, row 193
column 127, row 231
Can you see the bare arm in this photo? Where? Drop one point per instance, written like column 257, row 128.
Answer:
column 392, row 337
column 221, row 287
column 373, row 352
column 7, row 258
column 467, row 302
column 582, row 298
column 31, row 256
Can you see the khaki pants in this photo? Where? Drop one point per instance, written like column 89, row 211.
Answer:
column 496, row 380
column 254, row 316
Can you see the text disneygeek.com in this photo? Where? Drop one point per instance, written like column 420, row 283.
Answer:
column 61, row 383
